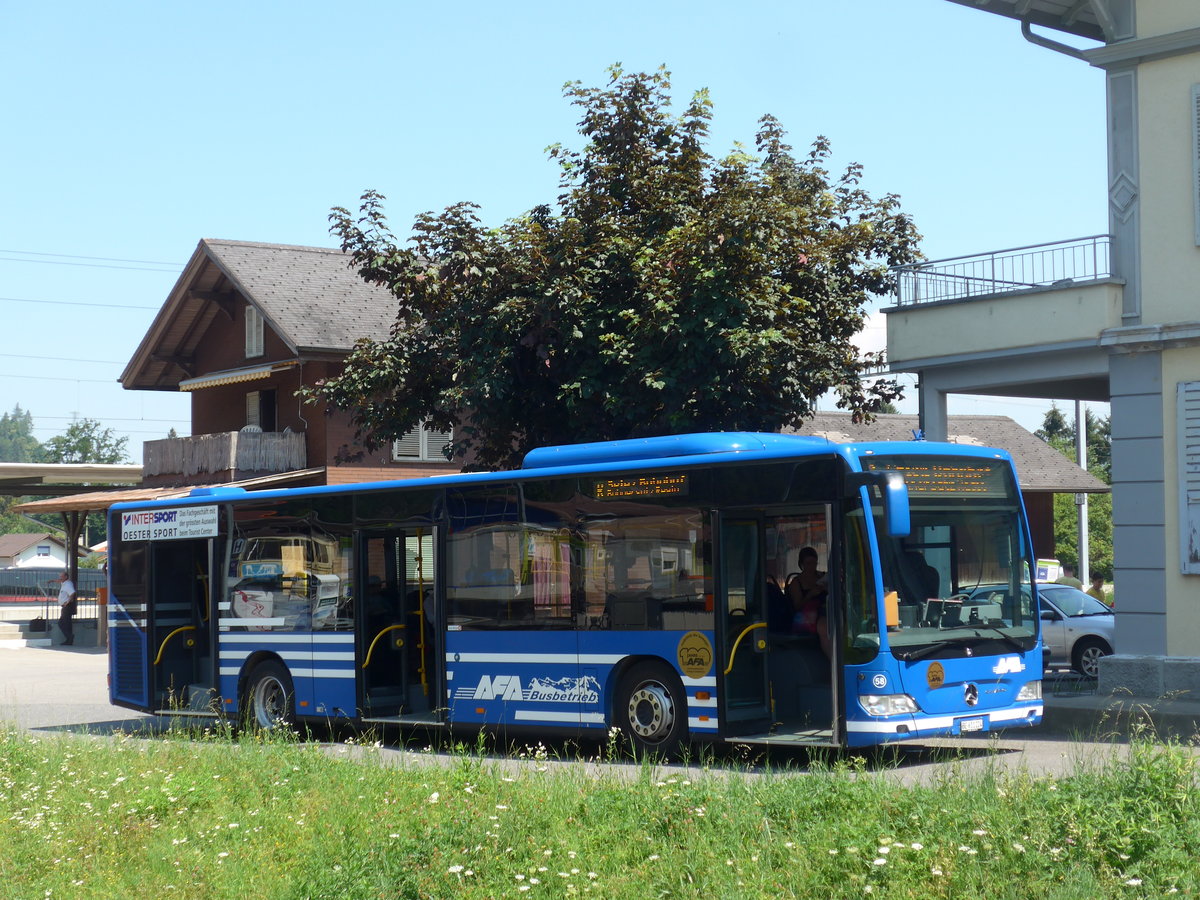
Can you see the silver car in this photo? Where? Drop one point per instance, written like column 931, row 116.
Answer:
column 1076, row 628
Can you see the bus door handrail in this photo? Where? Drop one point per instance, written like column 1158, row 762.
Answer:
column 163, row 645
column 371, row 649
column 745, row 631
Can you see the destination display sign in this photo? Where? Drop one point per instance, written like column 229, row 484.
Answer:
column 641, row 486
column 939, row 476
column 169, row 524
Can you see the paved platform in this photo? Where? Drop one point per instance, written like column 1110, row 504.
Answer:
column 1092, row 717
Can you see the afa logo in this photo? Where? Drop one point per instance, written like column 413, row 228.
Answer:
column 695, row 654
column 1008, row 665
column 582, row 689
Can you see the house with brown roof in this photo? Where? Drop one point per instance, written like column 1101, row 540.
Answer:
column 33, row 549
column 246, row 325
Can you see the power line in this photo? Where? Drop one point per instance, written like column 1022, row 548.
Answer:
column 149, row 262
column 77, row 303
column 62, row 378
column 74, row 359
column 93, row 262
column 109, row 419
column 55, row 262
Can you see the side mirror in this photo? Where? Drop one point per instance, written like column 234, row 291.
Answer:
column 896, row 516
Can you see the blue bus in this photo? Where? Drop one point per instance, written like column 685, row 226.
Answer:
column 750, row 588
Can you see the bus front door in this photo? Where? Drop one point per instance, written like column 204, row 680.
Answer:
column 741, row 580
column 397, row 614
column 180, row 623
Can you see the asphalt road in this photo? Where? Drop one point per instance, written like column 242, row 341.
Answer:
column 65, row 689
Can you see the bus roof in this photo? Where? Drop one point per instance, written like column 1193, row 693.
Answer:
column 670, row 451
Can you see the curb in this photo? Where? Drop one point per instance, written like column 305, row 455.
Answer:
column 1104, row 718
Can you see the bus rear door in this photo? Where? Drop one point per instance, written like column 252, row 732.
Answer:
column 399, row 645
column 161, row 655
column 742, row 628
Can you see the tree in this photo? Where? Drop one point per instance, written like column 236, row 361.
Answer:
column 666, row 291
column 87, row 441
column 17, row 443
column 1060, row 433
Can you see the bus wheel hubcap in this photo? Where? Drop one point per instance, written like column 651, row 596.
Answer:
column 651, row 714
column 269, row 702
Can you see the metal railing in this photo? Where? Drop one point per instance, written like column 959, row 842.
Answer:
column 38, row 588
column 1043, row 266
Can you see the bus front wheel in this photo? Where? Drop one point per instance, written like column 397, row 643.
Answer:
column 652, row 710
column 269, row 696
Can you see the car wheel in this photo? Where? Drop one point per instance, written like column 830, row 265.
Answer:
column 652, row 710
column 269, row 697
column 1085, row 657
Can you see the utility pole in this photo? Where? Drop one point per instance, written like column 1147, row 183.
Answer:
column 1081, row 499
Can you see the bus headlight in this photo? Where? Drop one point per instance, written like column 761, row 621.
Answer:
column 1031, row 690
column 887, row 704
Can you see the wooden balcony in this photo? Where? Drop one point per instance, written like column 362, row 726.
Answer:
column 221, row 457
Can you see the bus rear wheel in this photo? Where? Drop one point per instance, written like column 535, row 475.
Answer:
column 652, row 710
column 269, row 697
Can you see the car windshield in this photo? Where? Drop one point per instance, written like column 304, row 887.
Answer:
column 1072, row 602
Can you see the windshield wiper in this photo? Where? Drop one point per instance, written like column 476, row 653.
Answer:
column 930, row 649
column 1008, row 638
column 927, row 650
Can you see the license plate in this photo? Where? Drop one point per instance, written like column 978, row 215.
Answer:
column 970, row 725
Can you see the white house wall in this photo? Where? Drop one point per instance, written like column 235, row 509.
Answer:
column 1156, row 17
column 1170, row 258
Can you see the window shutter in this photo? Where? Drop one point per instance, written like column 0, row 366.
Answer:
column 1196, row 159
column 253, row 409
column 421, row 444
column 434, row 442
column 254, row 332
column 1188, row 424
column 408, row 447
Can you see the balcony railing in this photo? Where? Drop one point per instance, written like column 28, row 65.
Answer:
column 231, row 451
column 1042, row 266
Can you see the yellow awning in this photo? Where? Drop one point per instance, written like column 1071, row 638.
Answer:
column 233, row 376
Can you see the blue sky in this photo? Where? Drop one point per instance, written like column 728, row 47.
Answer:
column 135, row 129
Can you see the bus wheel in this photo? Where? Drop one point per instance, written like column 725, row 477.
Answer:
column 269, row 696
column 652, row 710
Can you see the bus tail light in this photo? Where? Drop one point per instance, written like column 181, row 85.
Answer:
column 888, row 704
column 1031, row 690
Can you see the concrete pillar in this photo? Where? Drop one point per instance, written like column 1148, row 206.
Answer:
column 932, row 410
column 1139, row 514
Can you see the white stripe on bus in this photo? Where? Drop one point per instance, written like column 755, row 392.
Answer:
column 297, row 673
column 306, row 655
column 534, row 715
column 548, row 658
column 281, row 637
column 926, row 724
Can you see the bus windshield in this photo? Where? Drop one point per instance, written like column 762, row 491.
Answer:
column 958, row 584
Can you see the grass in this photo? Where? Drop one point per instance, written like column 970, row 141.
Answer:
column 204, row 816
